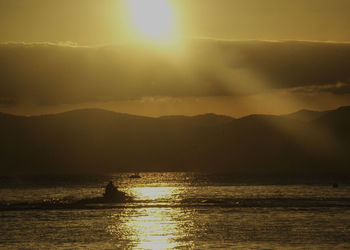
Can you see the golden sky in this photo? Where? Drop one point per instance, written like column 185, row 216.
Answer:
column 91, row 22
column 164, row 57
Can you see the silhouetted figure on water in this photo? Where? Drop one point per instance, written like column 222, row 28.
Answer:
column 110, row 188
column 112, row 193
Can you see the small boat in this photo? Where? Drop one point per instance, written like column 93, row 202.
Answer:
column 135, row 176
column 105, row 199
column 111, row 195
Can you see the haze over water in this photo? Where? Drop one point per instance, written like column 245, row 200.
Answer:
column 174, row 90
column 174, row 210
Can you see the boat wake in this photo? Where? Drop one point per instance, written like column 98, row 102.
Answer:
column 101, row 203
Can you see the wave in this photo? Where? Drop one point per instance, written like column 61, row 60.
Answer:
column 70, row 203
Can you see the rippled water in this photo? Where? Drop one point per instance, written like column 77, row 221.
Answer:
column 173, row 210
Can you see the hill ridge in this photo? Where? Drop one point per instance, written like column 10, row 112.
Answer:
column 259, row 144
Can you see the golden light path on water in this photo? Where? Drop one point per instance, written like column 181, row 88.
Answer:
column 154, row 193
column 151, row 227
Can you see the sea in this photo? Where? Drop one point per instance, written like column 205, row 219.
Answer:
column 173, row 211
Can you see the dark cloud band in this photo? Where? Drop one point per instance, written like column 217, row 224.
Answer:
column 45, row 73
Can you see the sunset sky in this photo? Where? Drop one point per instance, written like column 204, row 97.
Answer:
column 159, row 57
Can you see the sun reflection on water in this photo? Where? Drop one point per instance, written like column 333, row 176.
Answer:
column 154, row 193
column 150, row 227
column 154, row 228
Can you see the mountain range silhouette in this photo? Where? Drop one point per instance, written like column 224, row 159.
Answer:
column 99, row 141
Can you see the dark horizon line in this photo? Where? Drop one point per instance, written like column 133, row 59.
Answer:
column 168, row 116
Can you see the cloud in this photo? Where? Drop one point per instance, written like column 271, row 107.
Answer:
column 338, row 89
column 49, row 74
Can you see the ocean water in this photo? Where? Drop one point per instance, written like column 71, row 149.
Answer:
column 173, row 210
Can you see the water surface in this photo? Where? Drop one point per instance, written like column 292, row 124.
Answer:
column 173, row 210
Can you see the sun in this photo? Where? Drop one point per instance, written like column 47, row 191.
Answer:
column 154, row 19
